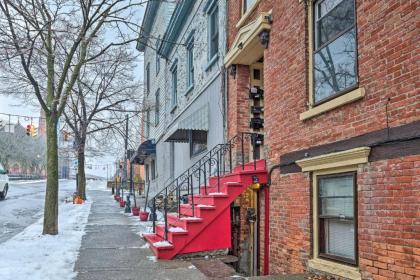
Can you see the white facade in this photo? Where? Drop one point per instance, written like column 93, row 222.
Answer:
column 187, row 26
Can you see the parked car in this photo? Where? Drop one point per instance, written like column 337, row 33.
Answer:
column 4, row 182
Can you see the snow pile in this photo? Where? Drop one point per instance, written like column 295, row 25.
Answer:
column 190, row 218
column 162, row 244
column 177, row 229
column 205, row 206
column 217, row 193
column 31, row 255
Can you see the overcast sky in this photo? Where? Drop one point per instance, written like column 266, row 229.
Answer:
column 13, row 105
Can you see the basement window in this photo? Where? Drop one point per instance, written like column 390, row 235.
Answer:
column 337, row 232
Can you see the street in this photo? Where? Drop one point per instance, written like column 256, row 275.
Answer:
column 24, row 205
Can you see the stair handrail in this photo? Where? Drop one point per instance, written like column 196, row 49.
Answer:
column 215, row 157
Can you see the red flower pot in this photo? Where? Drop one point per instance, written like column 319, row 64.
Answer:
column 122, row 203
column 135, row 211
column 117, row 198
column 143, row 216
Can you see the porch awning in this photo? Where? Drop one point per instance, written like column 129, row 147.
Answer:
column 247, row 48
column 145, row 149
column 195, row 125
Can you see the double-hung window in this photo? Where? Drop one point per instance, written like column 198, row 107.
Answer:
column 147, row 124
column 174, row 73
column 213, row 31
column 157, row 62
column 335, row 51
column 337, row 232
column 147, row 78
column 190, row 63
column 157, row 107
column 153, row 169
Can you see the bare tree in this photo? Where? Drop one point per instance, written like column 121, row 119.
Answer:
column 43, row 47
column 105, row 92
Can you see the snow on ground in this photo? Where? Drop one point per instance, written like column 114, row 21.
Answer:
column 31, row 255
column 97, row 185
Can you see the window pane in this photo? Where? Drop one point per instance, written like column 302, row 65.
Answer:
column 214, row 32
column 327, row 5
column 174, row 86
column 198, row 148
column 339, row 239
column 336, row 21
column 338, row 207
column 337, row 198
column 247, row 4
column 335, row 66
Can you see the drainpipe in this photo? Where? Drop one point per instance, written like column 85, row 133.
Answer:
column 266, row 270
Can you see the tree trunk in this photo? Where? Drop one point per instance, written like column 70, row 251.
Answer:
column 81, row 188
column 51, row 194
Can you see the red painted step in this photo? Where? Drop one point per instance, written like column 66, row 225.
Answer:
column 210, row 227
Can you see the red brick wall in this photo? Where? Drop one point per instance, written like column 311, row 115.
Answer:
column 388, row 68
column 289, row 223
column 238, row 101
column 389, row 218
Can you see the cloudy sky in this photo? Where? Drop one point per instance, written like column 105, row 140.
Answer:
column 15, row 106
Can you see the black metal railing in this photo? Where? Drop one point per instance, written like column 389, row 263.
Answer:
column 217, row 162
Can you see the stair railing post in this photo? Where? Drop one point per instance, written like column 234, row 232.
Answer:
column 154, row 214
column 192, row 196
column 205, row 178
column 230, row 156
column 242, row 151
column 218, row 171
column 178, row 197
column 222, row 159
column 188, row 183
column 209, row 166
column 199, row 175
column 254, row 149
column 165, row 212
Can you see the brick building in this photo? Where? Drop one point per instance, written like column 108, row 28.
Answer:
column 341, row 121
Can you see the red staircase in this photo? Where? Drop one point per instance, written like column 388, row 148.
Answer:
column 210, row 227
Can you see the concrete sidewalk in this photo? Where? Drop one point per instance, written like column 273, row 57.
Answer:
column 113, row 249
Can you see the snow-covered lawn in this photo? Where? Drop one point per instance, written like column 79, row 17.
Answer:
column 31, row 255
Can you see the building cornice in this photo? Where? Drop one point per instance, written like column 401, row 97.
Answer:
column 174, row 28
column 147, row 24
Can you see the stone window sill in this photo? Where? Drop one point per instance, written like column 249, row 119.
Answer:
column 348, row 272
column 349, row 97
column 246, row 15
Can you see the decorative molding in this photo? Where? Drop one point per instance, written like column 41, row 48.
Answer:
column 346, row 98
column 333, row 160
column 246, row 48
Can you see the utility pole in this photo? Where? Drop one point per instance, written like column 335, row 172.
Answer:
column 124, row 179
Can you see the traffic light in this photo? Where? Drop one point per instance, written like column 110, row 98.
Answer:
column 34, row 131
column 28, row 130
